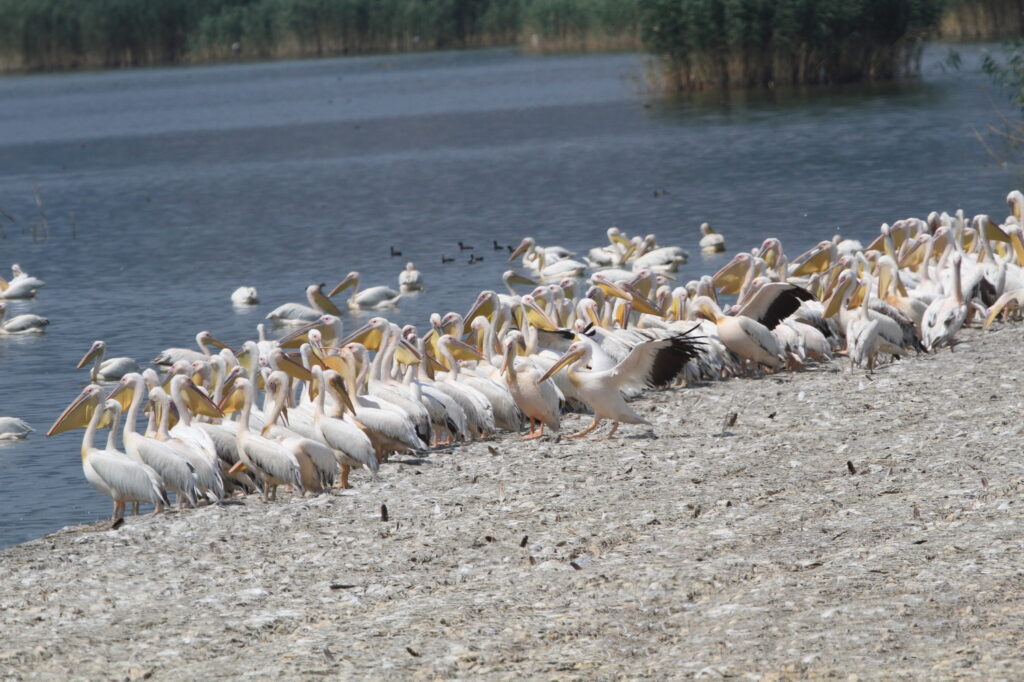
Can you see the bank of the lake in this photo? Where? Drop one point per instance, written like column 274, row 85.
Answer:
column 846, row 525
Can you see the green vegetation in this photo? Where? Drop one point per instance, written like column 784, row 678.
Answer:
column 745, row 43
column 705, row 43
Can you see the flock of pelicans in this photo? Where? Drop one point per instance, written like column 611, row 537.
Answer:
column 305, row 409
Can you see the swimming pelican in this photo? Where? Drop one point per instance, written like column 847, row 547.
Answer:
column 13, row 428
column 169, row 356
column 245, row 296
column 106, row 370
column 654, row 362
column 21, row 285
column 711, row 242
column 21, row 324
column 410, row 279
column 109, row 471
column 299, row 314
column 367, row 299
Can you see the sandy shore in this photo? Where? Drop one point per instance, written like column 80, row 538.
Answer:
column 845, row 526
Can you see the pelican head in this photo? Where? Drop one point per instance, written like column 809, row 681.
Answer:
column 78, row 413
column 730, row 277
column 350, row 280
column 577, row 351
column 526, row 245
column 96, row 350
column 485, row 305
column 369, row 335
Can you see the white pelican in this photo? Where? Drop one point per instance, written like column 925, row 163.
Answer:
column 602, row 390
column 169, row 356
column 21, row 284
column 206, row 470
column 367, row 299
column 245, row 296
column 663, row 259
column 410, row 279
column 21, row 324
column 13, row 428
column 109, row 471
column 862, row 342
column 111, row 369
column 536, row 399
column 176, row 473
column 945, row 316
column 298, row 314
column 352, row 445
column 711, row 242
column 318, row 462
column 271, row 461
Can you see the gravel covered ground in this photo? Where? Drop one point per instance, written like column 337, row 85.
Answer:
column 845, row 526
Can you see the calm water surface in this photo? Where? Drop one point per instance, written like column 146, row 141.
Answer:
column 185, row 183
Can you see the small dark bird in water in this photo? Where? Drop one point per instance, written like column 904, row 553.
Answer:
column 473, row 259
column 395, row 252
column 445, row 259
column 497, row 246
column 465, row 247
column 510, row 249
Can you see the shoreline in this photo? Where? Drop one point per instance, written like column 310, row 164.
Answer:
column 846, row 524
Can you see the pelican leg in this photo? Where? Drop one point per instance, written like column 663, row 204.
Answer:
column 533, row 431
column 345, row 469
column 580, row 434
column 615, row 427
column 135, row 508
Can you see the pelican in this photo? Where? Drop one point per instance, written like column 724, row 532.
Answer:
column 170, row 356
column 537, row 400
column 652, row 363
column 21, row 284
column 21, row 324
column 353, row 447
column 946, row 315
column 245, row 296
column 13, row 428
column 109, row 471
column 318, row 463
column 106, row 370
column 299, row 314
column 271, row 461
column 711, row 242
column 367, row 299
column 206, row 470
column 410, row 279
column 176, row 473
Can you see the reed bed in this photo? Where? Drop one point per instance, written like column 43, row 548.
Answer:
column 703, row 43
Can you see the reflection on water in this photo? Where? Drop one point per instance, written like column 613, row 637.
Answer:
column 186, row 183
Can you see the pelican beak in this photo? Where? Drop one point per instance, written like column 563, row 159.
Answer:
column 368, row 335
column 199, row 402
column 298, row 336
column 818, row 260
column 729, row 279
column 237, row 468
column 339, row 387
column 293, row 369
column 622, row 241
column 463, row 351
column 641, row 303
column 335, row 362
column 884, row 281
column 217, row 342
column 123, row 394
column 834, row 302
column 536, row 316
column 858, row 296
column 349, row 281
column 520, row 250
column 566, row 359
column 629, row 252
column 77, row 414
column 1018, row 246
column 233, row 401
column 406, row 354
column 484, row 306
column 229, row 380
column 912, row 255
column 609, row 288
column 88, row 356
column 325, row 303
column 994, row 233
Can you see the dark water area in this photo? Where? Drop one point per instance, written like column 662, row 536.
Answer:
column 185, row 183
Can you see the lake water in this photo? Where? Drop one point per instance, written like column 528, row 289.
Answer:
column 184, row 183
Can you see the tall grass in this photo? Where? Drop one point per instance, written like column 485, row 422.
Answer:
column 982, row 20
column 747, row 43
